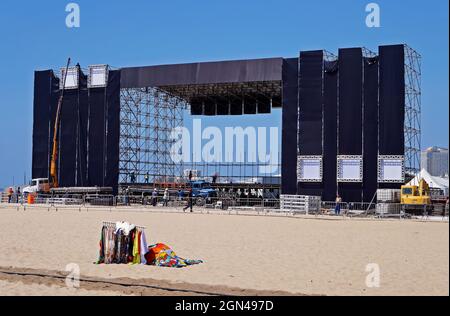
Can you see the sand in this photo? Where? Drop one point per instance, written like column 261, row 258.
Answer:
column 22, row 289
column 251, row 254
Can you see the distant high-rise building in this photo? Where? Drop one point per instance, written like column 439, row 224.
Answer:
column 435, row 161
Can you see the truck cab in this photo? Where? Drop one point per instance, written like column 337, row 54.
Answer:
column 201, row 188
column 40, row 185
column 202, row 191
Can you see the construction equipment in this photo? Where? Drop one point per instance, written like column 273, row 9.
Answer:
column 40, row 185
column 201, row 191
column 53, row 168
column 416, row 199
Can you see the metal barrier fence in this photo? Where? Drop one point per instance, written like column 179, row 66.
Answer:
column 300, row 204
column 348, row 208
column 211, row 202
column 146, row 201
column 15, row 198
column 67, row 199
column 286, row 204
column 294, row 204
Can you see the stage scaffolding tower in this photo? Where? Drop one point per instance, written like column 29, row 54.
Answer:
column 147, row 118
column 413, row 105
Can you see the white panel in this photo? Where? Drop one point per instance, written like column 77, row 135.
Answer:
column 350, row 168
column 309, row 169
column 71, row 78
column 98, row 76
column 391, row 169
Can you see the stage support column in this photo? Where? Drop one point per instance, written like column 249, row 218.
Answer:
column 370, row 127
column 392, row 105
column 350, row 129
column 112, row 112
column 289, row 126
column 310, row 122
column 330, row 130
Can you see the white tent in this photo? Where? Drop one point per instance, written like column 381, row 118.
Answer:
column 433, row 182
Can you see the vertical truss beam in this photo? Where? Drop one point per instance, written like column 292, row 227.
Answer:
column 413, row 110
column 147, row 118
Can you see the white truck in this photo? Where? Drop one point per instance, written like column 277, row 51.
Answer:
column 40, row 185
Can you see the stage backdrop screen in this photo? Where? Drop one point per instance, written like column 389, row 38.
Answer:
column 309, row 169
column 391, row 169
column 98, row 76
column 350, row 168
column 72, row 78
column 289, row 132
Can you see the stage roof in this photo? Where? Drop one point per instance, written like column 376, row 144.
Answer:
column 221, row 72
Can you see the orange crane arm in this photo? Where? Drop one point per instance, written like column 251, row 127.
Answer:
column 53, row 169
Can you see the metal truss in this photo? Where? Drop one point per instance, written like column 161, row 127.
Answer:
column 413, row 105
column 147, row 118
column 268, row 89
column 367, row 53
column 329, row 56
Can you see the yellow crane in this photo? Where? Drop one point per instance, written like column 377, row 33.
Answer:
column 53, row 168
column 416, row 198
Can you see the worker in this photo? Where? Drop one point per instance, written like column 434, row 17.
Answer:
column 154, row 197
column 127, row 196
column 146, row 177
column 180, row 195
column 18, row 195
column 190, row 201
column 133, row 177
column 10, row 194
column 337, row 209
column 166, row 197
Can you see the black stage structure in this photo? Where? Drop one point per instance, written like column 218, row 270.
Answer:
column 351, row 115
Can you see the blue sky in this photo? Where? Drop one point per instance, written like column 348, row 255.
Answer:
column 34, row 36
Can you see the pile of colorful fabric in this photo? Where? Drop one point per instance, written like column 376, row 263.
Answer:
column 124, row 243
column 161, row 255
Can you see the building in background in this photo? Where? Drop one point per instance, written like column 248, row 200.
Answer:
column 435, row 161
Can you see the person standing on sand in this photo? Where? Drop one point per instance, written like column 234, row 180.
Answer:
column 10, row 193
column 18, row 194
column 154, row 197
column 127, row 196
column 180, row 195
column 190, row 202
column 166, row 197
column 337, row 209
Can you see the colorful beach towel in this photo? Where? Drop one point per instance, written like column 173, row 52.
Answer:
column 162, row 255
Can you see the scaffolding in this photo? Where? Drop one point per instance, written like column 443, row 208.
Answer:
column 413, row 105
column 147, row 118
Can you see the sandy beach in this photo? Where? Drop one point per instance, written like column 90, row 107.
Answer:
column 247, row 255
